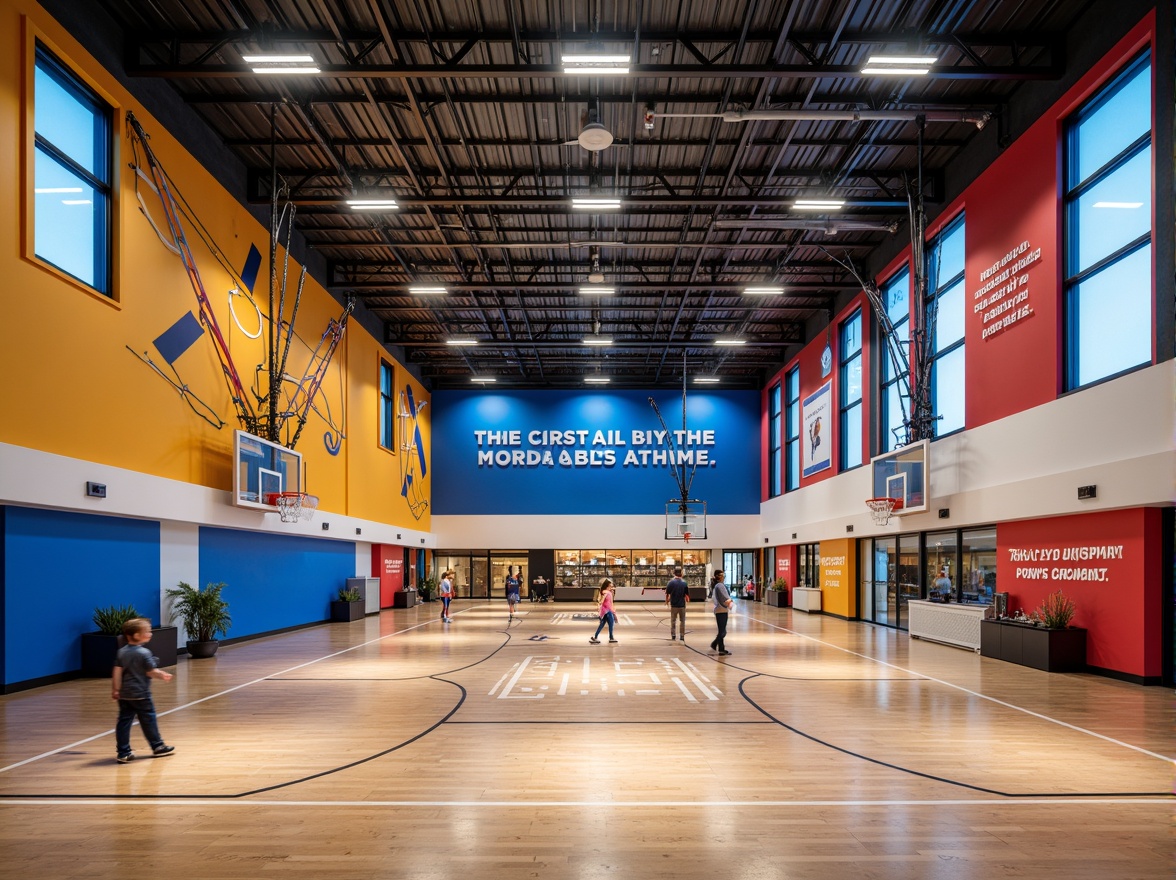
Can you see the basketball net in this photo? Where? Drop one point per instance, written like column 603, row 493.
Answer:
column 880, row 509
column 686, row 537
column 293, row 506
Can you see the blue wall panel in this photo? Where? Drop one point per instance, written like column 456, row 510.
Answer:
column 480, row 473
column 274, row 581
column 59, row 567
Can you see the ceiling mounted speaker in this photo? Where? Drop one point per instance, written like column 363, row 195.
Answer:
column 595, row 137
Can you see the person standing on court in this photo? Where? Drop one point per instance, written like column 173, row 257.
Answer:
column 723, row 606
column 607, row 615
column 677, row 595
column 445, row 591
column 514, row 586
column 130, row 685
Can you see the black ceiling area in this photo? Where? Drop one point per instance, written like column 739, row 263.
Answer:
column 731, row 114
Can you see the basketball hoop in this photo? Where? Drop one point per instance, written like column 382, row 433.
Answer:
column 293, row 506
column 881, row 508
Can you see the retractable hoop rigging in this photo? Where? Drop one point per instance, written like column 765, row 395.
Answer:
column 690, row 515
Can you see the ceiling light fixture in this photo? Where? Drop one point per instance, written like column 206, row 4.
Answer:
column 706, row 380
column 483, row 380
column 598, row 340
column 425, row 289
column 597, row 380
column 373, row 204
column 278, row 59
column 898, row 65
column 597, row 290
column 596, row 65
column 764, row 291
column 596, row 204
column 730, row 342
column 463, row 341
column 818, row 204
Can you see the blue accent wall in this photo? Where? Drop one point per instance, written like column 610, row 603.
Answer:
column 57, row 568
column 274, row 581
column 728, row 478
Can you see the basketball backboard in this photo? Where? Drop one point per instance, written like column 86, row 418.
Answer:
column 261, row 469
column 685, row 520
column 903, row 474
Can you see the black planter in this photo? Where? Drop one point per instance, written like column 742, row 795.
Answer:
column 345, row 612
column 201, row 650
column 778, row 598
column 1050, row 650
column 98, row 650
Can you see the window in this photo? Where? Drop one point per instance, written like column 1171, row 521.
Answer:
column 1108, row 209
column 774, row 442
column 808, row 557
column 850, row 354
column 71, row 175
column 792, row 429
column 387, row 407
column 895, row 397
column 945, row 305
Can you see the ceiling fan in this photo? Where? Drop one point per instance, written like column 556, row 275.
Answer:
column 593, row 136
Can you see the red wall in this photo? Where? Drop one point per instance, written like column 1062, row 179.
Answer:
column 1121, row 635
column 388, row 566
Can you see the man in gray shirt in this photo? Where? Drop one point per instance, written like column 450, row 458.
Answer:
column 723, row 605
column 677, row 595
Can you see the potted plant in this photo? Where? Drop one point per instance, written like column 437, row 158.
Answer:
column 100, row 647
column 1045, row 640
column 777, row 593
column 205, row 616
column 348, row 607
column 427, row 588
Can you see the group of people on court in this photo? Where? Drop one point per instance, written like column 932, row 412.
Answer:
column 677, row 596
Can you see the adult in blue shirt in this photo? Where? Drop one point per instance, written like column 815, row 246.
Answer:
column 677, row 595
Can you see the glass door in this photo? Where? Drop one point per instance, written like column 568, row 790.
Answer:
column 883, row 584
column 479, row 578
column 505, row 564
column 739, row 568
column 909, row 576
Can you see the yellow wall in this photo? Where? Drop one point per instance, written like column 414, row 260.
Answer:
column 71, row 387
column 839, row 578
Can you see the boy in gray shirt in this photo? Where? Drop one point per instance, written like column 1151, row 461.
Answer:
column 130, row 685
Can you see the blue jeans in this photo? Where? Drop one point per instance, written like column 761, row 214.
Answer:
column 721, row 624
column 610, row 619
column 128, row 711
column 445, row 606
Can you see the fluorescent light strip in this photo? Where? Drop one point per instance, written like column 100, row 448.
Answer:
column 896, row 71
column 595, row 59
column 764, row 291
column 1129, row 205
column 421, row 289
column 483, row 380
column 599, row 204
column 461, row 342
column 707, row 380
column 603, row 291
column 278, row 59
column 286, row 70
column 730, row 342
column 600, row 65
column 597, row 380
column 598, row 340
column 818, row 204
column 923, row 60
column 373, row 204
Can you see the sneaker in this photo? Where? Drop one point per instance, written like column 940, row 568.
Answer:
column 126, row 759
column 683, row 638
column 592, row 641
column 163, row 751
column 613, row 642
column 724, row 653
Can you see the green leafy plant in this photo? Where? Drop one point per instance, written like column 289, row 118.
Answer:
column 110, row 619
column 349, row 595
column 427, row 587
column 779, row 584
column 204, row 613
column 1056, row 611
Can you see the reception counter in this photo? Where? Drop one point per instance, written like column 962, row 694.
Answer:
column 806, row 599
column 949, row 624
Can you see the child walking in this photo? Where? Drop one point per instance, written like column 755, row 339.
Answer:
column 130, row 685
column 607, row 615
column 446, row 592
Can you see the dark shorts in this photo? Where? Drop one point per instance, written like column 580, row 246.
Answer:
column 513, row 598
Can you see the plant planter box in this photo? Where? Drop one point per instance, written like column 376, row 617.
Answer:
column 404, row 599
column 345, row 612
column 99, row 650
column 1050, row 650
column 776, row 598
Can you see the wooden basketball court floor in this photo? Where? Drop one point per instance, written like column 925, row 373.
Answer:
column 399, row 746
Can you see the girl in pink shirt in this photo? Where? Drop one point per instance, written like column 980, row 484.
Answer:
column 607, row 615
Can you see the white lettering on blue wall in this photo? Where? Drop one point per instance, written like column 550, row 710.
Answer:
column 571, row 447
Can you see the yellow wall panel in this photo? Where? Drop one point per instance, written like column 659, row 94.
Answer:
column 839, row 578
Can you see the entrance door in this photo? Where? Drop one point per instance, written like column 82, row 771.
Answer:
column 503, row 565
column 479, row 578
column 883, row 584
column 739, row 567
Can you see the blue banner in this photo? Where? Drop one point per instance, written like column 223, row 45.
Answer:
column 551, row 452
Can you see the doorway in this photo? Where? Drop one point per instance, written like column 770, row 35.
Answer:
column 739, row 567
column 504, row 563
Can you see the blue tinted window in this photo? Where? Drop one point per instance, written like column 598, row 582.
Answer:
column 774, row 441
column 387, row 408
column 792, row 423
column 71, row 174
column 945, row 307
column 1108, row 216
column 896, row 296
column 850, row 347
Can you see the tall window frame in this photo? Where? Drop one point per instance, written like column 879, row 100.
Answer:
column 792, row 429
column 387, row 406
column 850, row 423
column 72, row 174
column 945, row 304
column 1107, row 205
column 893, row 385
column 774, row 439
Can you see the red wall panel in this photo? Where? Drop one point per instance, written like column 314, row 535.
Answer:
column 1109, row 563
column 388, row 566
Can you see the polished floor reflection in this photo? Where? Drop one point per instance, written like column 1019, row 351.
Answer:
column 402, row 746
